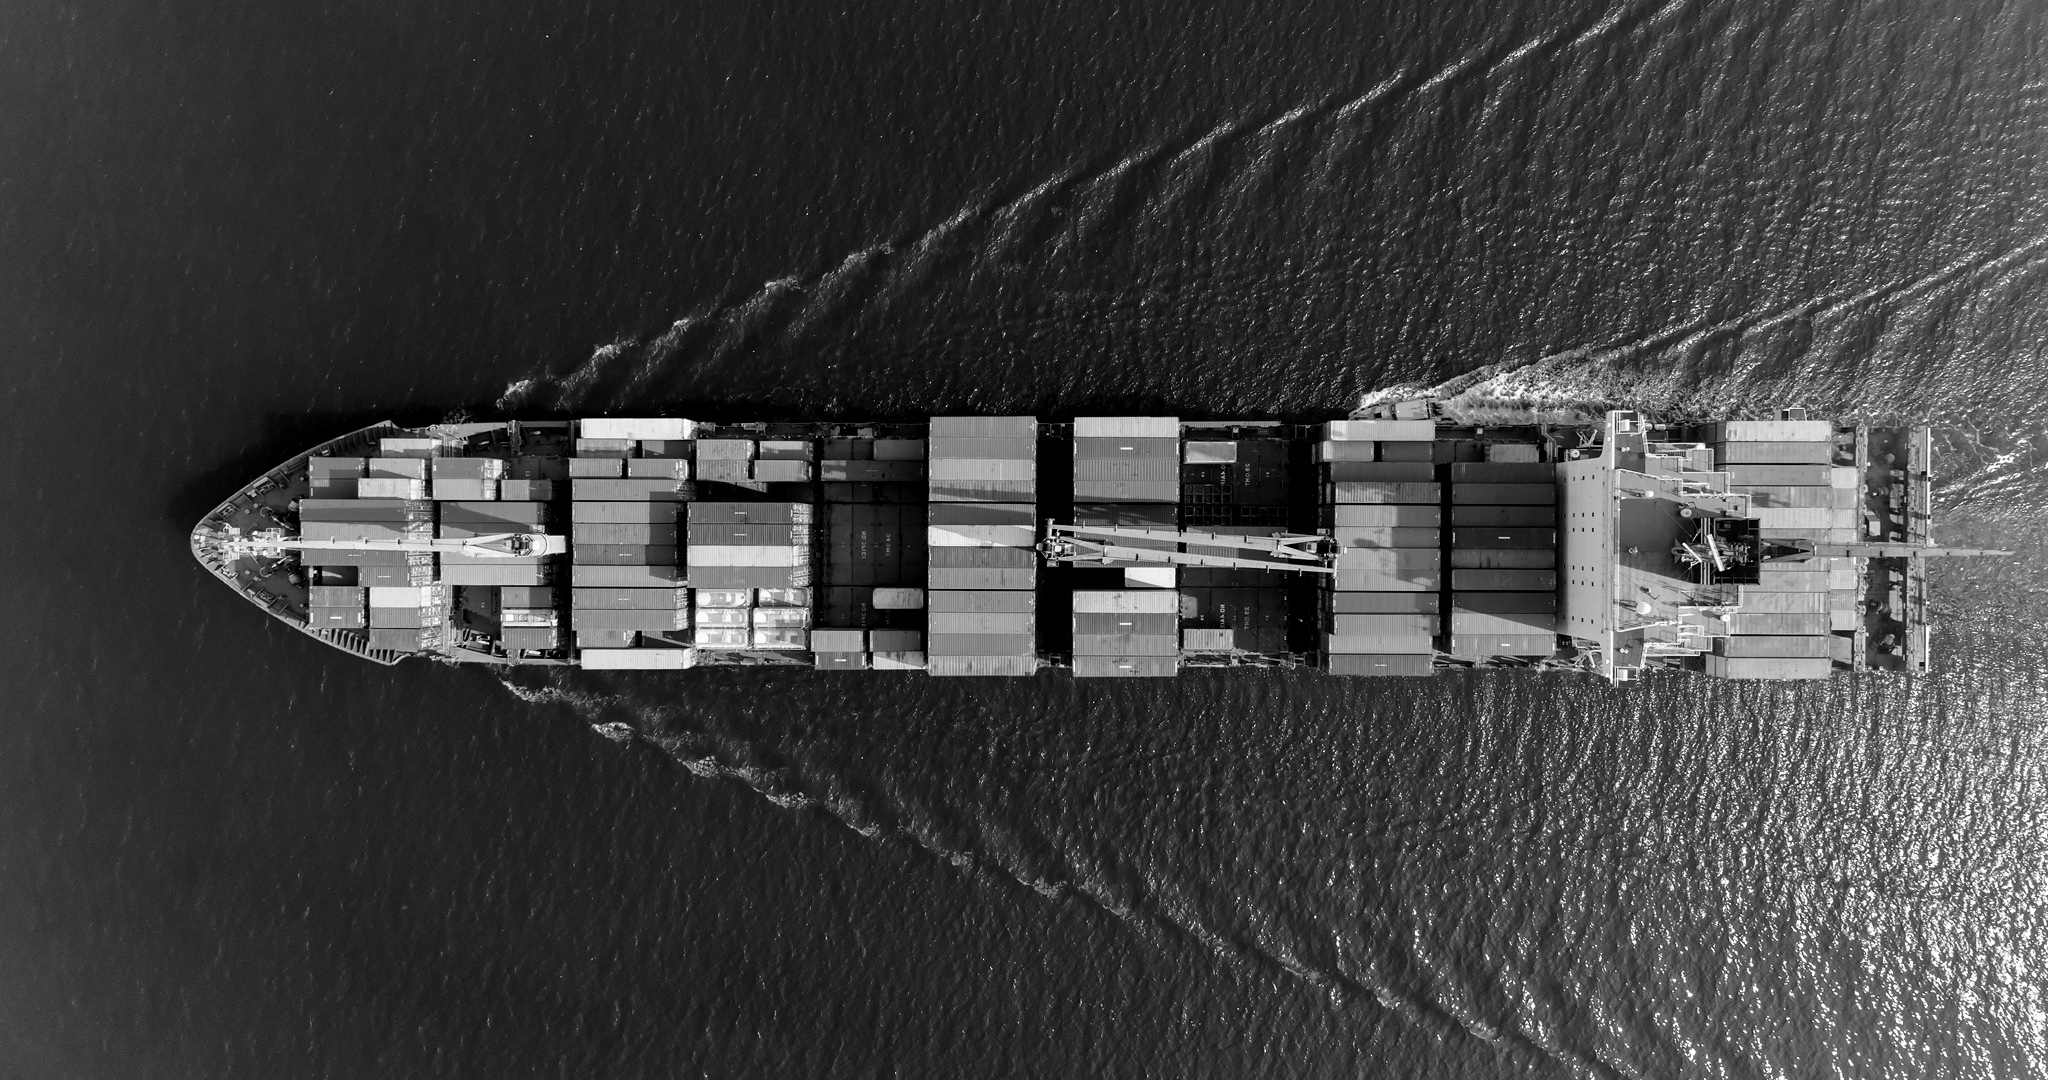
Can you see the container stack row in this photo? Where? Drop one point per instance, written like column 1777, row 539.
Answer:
column 981, row 566
column 629, row 481
column 759, row 553
column 754, row 464
column 1503, row 555
column 1383, row 508
column 769, row 619
column 874, row 554
column 1127, row 473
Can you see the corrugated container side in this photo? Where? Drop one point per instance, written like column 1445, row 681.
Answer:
column 786, row 449
column 1143, row 470
column 1504, row 453
column 1391, row 624
column 625, row 554
column 1199, row 640
column 1787, row 475
column 1392, row 515
column 1811, row 645
column 1126, row 644
column 1768, row 667
column 1754, row 598
column 1780, row 622
column 491, row 573
column 658, row 468
column 1118, row 622
column 984, row 449
column 1496, row 472
column 1140, row 427
column 839, row 661
column 913, row 660
column 1152, row 491
column 627, row 513
column 997, row 491
column 1024, row 514
column 715, row 617
column 1369, row 536
column 981, row 601
column 1487, row 623
column 614, row 448
column 337, row 618
column 625, row 598
column 393, row 618
column 782, row 471
column 651, row 427
column 722, row 637
column 1503, row 537
column 1380, row 430
column 1331, row 450
column 982, row 622
column 627, row 619
column 1130, row 449
column 977, row 558
column 1504, row 602
column 984, row 470
column 838, row 640
column 1401, row 664
column 597, row 468
column 1503, row 558
column 1412, row 451
column 623, row 533
column 898, row 599
column 749, row 513
column 523, row 513
column 335, row 467
column 526, row 596
column 1482, row 645
column 899, row 450
column 722, row 471
column 1374, row 603
column 1379, row 643
column 638, row 659
column 411, row 468
column 1387, row 580
column 1012, row 536
column 981, row 644
column 891, row 641
column 636, row 489
column 526, row 490
column 336, row 595
column 350, row 530
column 782, row 597
column 1396, row 472
column 1369, row 492
column 1770, row 517
column 1210, row 453
column 710, row 555
column 1504, row 494
column 738, row 534
column 968, row 666
column 626, row 575
column 1389, row 559
column 1773, row 431
column 1504, row 580
column 1137, row 601
column 997, row 578
column 395, row 639
column 1774, row 453
column 1126, row 667
column 530, row 637
column 725, row 450
column 1515, row 517
column 984, row 427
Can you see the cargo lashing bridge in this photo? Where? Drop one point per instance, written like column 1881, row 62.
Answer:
column 1098, row 543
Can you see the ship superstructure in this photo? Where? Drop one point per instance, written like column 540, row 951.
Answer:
column 1397, row 544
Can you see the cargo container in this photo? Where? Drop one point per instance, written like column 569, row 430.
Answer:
column 623, row 513
column 351, row 530
column 722, row 471
column 1134, row 601
column 1503, row 537
column 1127, row 427
column 709, row 555
column 625, row 554
column 626, row 575
column 899, row 449
column 597, row 468
column 1386, row 515
column 1115, row 622
column 785, row 449
column 1488, row 623
column 1386, row 580
column 1768, row 667
column 1410, row 451
column 1013, row 536
column 984, row 449
column 1022, row 514
column 636, row 488
column 1401, row 664
column 1130, row 449
column 1480, row 646
column 376, row 487
column 1495, row 472
column 912, row 660
column 1387, row 623
column 589, row 597
column 1768, row 517
column 394, row 617
column 965, row 666
column 779, row 637
column 1126, row 667
column 1504, row 494
column 627, row 619
column 871, row 472
column 336, row 596
column 981, row 644
column 750, row 513
column 396, row 510
column 898, row 599
column 1152, row 491
column 734, row 534
column 984, row 427
column 1503, row 558
column 1747, row 645
column 709, row 617
column 611, row 427
column 1773, row 475
column 981, row 622
column 623, row 533
column 1198, row 640
column 942, row 578
column 957, row 558
column 1517, row 453
column 1504, row 602
column 639, row 659
column 1394, row 472
column 1330, row 450
column 1504, row 580
column 780, row 616
column 1375, row 603
column 1126, row 644
column 530, row 638
column 722, row 598
column 526, row 596
column 508, row 513
column 1380, row 430
column 492, row 572
column 1209, row 453
column 1389, row 559
column 1795, row 431
column 1370, row 492
column 725, row 450
column 1774, row 453
column 839, row 661
column 526, row 490
column 1379, row 643
column 352, row 617
column 1753, row 598
column 392, row 639
column 1144, row 470
column 1514, row 517
column 986, row 470
column 725, row 637
column 1385, row 537
column 895, row 641
column 528, row 617
column 943, row 601
column 1000, row 491
column 778, row 471
column 407, row 446
column 657, row 468
column 782, row 597
column 1779, row 623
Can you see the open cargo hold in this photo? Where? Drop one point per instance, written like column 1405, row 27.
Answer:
column 1401, row 664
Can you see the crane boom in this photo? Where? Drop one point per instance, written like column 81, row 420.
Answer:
column 506, row 545
column 1303, row 548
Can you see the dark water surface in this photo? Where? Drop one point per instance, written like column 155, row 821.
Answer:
column 232, row 230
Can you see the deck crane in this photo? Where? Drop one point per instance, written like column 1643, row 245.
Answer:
column 1312, row 554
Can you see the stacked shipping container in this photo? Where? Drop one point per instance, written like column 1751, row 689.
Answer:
column 1383, row 507
column 982, row 571
column 1783, row 626
column 1503, row 559
column 628, row 606
column 1127, row 473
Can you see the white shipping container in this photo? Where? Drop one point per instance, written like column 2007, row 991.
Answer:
column 1210, row 453
column 1334, row 450
column 783, row 597
column 1149, row 577
column 899, row 661
column 1512, row 452
column 746, row 555
column 391, row 487
column 638, row 659
column 415, row 468
column 725, row 616
column 894, row 599
column 1380, row 430
column 663, row 427
column 1843, row 476
column 527, row 617
column 723, row 637
column 396, row 596
column 1114, row 427
column 777, row 637
column 724, row 598
column 1209, row 640
column 1133, row 601
column 1792, row 517
column 1774, row 431
column 396, row 446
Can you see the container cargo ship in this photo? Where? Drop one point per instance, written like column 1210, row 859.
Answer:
column 1399, row 543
